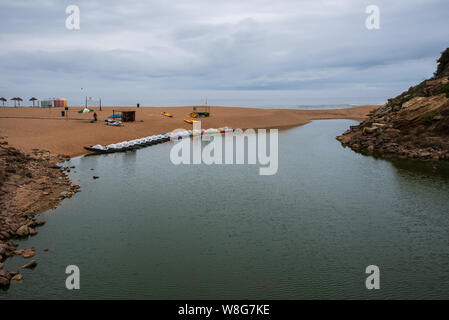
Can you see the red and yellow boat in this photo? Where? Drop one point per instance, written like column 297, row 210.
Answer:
column 189, row 121
column 167, row 114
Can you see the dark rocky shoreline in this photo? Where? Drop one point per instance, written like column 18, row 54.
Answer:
column 29, row 185
column 413, row 125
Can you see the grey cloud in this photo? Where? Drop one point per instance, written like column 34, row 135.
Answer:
column 316, row 48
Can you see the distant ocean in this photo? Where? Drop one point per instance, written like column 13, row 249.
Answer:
column 280, row 106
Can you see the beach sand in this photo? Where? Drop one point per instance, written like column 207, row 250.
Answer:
column 29, row 128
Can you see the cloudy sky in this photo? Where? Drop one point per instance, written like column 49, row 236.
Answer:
column 233, row 52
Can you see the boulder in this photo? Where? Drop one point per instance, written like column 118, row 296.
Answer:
column 17, row 277
column 5, row 274
column 4, row 283
column 23, row 231
column 5, row 234
column 28, row 253
column 369, row 130
column 36, row 223
column 30, row 265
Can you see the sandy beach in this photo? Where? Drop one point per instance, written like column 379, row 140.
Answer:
column 29, row 128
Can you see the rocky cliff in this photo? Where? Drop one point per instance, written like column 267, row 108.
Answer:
column 415, row 124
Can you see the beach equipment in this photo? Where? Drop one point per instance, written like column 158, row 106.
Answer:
column 148, row 141
column 85, row 110
column 115, row 116
column 32, row 100
column 113, row 122
column 201, row 111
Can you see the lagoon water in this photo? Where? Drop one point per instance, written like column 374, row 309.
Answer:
column 148, row 229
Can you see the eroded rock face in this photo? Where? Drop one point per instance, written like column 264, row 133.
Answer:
column 29, row 185
column 415, row 124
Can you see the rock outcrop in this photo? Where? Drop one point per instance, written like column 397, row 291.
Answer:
column 415, row 124
column 29, row 185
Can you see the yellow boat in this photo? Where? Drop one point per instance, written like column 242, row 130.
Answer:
column 189, row 121
column 167, row 114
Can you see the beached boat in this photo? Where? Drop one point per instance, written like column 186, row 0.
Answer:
column 150, row 140
column 166, row 114
column 99, row 149
column 189, row 121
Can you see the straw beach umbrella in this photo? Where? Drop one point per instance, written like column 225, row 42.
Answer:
column 19, row 100
column 3, row 100
column 15, row 101
column 33, row 99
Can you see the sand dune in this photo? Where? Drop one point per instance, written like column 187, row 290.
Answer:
column 29, row 128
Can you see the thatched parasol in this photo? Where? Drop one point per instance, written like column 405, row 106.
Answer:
column 3, row 100
column 15, row 101
column 33, row 99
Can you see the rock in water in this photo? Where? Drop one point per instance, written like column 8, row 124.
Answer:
column 5, row 274
column 30, row 265
column 4, row 283
column 17, row 277
column 28, row 253
column 23, row 231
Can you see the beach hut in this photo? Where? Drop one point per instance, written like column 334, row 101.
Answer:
column 128, row 116
column 200, row 111
column 60, row 102
column 48, row 103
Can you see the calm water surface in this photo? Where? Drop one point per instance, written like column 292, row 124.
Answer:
column 149, row 229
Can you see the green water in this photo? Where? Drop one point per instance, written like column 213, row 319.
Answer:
column 149, row 229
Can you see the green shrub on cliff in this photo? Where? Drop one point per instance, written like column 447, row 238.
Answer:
column 445, row 89
column 443, row 65
column 428, row 118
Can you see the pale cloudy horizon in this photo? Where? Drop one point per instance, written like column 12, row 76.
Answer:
column 252, row 53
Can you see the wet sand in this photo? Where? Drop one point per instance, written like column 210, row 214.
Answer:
column 29, row 128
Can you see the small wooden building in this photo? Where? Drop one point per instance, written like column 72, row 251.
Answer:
column 128, row 116
column 47, row 103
